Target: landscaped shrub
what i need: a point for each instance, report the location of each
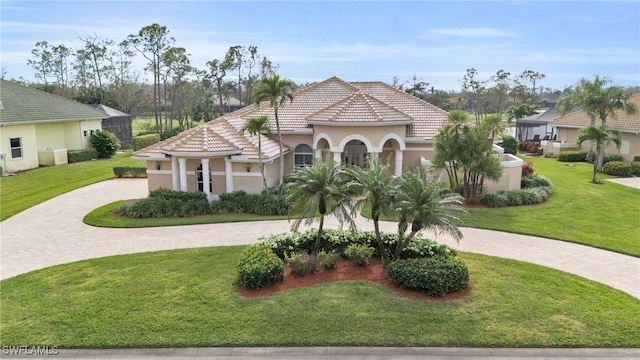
(105, 143)
(612, 157)
(434, 276)
(635, 166)
(509, 144)
(299, 263)
(327, 259)
(259, 267)
(130, 171)
(423, 248)
(618, 168)
(534, 181)
(142, 141)
(269, 203)
(572, 156)
(167, 203)
(74, 156)
(167, 194)
(359, 253)
(636, 158)
(528, 196)
(528, 147)
(527, 169)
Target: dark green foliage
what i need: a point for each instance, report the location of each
(359, 253)
(167, 203)
(129, 171)
(177, 195)
(105, 143)
(142, 141)
(509, 144)
(527, 196)
(337, 241)
(635, 166)
(327, 259)
(239, 202)
(636, 158)
(74, 156)
(436, 276)
(612, 157)
(259, 267)
(299, 263)
(618, 168)
(534, 181)
(572, 156)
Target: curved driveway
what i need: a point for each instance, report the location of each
(53, 233)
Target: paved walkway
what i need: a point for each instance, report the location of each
(53, 233)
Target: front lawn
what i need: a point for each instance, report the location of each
(30, 188)
(184, 298)
(604, 216)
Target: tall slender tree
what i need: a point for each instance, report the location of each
(255, 127)
(600, 136)
(276, 91)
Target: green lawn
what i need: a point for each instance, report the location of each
(103, 217)
(604, 216)
(30, 188)
(188, 298)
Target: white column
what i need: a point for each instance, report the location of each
(183, 174)
(175, 173)
(228, 174)
(318, 154)
(337, 157)
(398, 162)
(206, 178)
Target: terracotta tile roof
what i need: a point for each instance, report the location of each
(332, 100)
(359, 107)
(621, 121)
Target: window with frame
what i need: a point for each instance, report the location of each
(303, 156)
(200, 180)
(16, 147)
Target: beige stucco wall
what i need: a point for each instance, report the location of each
(29, 159)
(374, 137)
(414, 152)
(292, 141)
(630, 142)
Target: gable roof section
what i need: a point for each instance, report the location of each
(621, 122)
(111, 112)
(360, 108)
(542, 118)
(22, 105)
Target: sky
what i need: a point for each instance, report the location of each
(357, 40)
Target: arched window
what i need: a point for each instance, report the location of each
(303, 156)
(200, 180)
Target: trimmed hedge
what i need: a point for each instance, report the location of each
(259, 267)
(618, 168)
(534, 181)
(528, 196)
(130, 171)
(142, 141)
(635, 166)
(239, 202)
(612, 157)
(636, 158)
(177, 195)
(435, 276)
(74, 156)
(509, 144)
(105, 143)
(572, 156)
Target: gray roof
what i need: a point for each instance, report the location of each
(23, 104)
(542, 118)
(109, 110)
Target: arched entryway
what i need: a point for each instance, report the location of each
(355, 153)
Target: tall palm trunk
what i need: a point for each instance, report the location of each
(375, 215)
(311, 267)
(264, 178)
(281, 179)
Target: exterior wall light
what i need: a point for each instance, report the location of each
(247, 166)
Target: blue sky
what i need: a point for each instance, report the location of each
(358, 40)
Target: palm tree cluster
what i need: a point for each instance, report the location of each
(419, 201)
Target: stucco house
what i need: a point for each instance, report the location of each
(629, 126)
(37, 128)
(335, 119)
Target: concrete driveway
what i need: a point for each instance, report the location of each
(53, 233)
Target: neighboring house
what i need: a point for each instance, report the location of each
(118, 123)
(37, 128)
(629, 126)
(331, 119)
(537, 127)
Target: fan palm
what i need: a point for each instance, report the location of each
(276, 91)
(255, 127)
(600, 136)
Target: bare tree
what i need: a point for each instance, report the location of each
(43, 62)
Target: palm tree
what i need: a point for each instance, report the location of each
(597, 101)
(276, 91)
(319, 189)
(425, 204)
(255, 127)
(492, 125)
(600, 136)
(375, 187)
(447, 142)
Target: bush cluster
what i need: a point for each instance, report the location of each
(327, 259)
(528, 196)
(130, 171)
(359, 253)
(142, 141)
(238, 202)
(636, 158)
(612, 157)
(534, 181)
(528, 146)
(337, 241)
(299, 263)
(620, 168)
(527, 169)
(572, 156)
(105, 143)
(259, 267)
(434, 276)
(74, 156)
(509, 144)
